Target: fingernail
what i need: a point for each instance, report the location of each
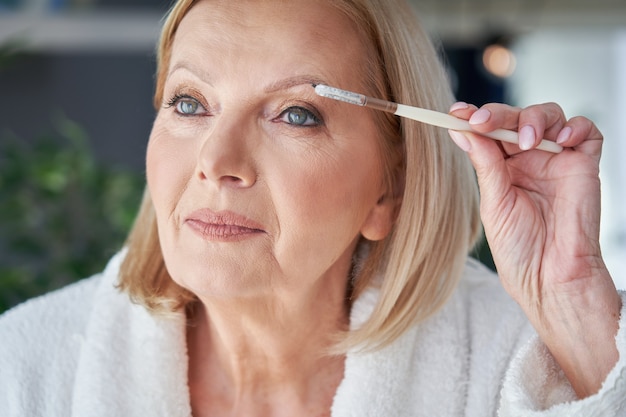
(460, 140)
(564, 135)
(480, 116)
(526, 137)
(459, 105)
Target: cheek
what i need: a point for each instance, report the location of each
(168, 169)
(328, 198)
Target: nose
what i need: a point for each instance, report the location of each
(226, 157)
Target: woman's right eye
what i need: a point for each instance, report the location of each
(186, 106)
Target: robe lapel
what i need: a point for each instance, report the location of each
(131, 363)
(424, 373)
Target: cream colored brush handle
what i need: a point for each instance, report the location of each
(450, 122)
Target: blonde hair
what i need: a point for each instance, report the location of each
(417, 266)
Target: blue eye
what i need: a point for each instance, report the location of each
(186, 105)
(299, 116)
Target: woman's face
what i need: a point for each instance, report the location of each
(259, 185)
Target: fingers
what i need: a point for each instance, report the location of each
(533, 123)
(488, 159)
(578, 130)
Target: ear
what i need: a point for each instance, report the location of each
(381, 218)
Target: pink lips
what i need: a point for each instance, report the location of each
(222, 226)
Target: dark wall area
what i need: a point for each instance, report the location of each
(470, 80)
(109, 95)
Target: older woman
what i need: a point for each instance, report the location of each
(298, 256)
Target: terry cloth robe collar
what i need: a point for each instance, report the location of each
(134, 363)
(87, 351)
(422, 374)
(131, 362)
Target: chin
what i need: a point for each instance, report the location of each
(211, 279)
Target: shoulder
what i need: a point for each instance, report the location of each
(495, 321)
(44, 316)
(40, 349)
(58, 313)
(483, 296)
(496, 327)
(452, 363)
(477, 278)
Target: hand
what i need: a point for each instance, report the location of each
(541, 214)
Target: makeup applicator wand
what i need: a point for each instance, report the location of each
(430, 117)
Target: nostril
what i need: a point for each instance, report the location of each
(231, 178)
(239, 181)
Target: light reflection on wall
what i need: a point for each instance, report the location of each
(499, 60)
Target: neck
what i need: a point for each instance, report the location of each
(244, 354)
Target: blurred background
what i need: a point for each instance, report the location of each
(76, 80)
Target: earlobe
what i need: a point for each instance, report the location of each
(380, 219)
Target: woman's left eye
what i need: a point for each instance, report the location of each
(299, 116)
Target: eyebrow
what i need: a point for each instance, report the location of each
(295, 81)
(191, 67)
(283, 84)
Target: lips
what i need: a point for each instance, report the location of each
(223, 225)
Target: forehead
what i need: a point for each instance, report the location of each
(292, 34)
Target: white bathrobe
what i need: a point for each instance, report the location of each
(87, 351)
